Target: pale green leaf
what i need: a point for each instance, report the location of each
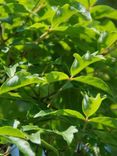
(90, 104)
(22, 145)
(35, 138)
(68, 134)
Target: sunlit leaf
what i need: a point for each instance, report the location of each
(10, 131)
(81, 63)
(63, 14)
(90, 104)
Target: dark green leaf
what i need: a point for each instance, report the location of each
(94, 81)
(107, 121)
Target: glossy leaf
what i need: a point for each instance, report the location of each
(95, 82)
(19, 80)
(90, 104)
(81, 63)
(63, 112)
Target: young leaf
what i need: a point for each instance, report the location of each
(81, 63)
(107, 121)
(22, 145)
(63, 112)
(94, 81)
(90, 105)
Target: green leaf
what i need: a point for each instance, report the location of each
(68, 135)
(55, 76)
(11, 71)
(35, 138)
(106, 40)
(37, 26)
(61, 112)
(103, 11)
(19, 80)
(10, 131)
(22, 145)
(95, 82)
(83, 11)
(107, 121)
(63, 14)
(81, 63)
(90, 105)
(30, 127)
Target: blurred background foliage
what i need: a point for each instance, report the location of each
(41, 36)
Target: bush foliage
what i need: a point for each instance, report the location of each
(58, 76)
